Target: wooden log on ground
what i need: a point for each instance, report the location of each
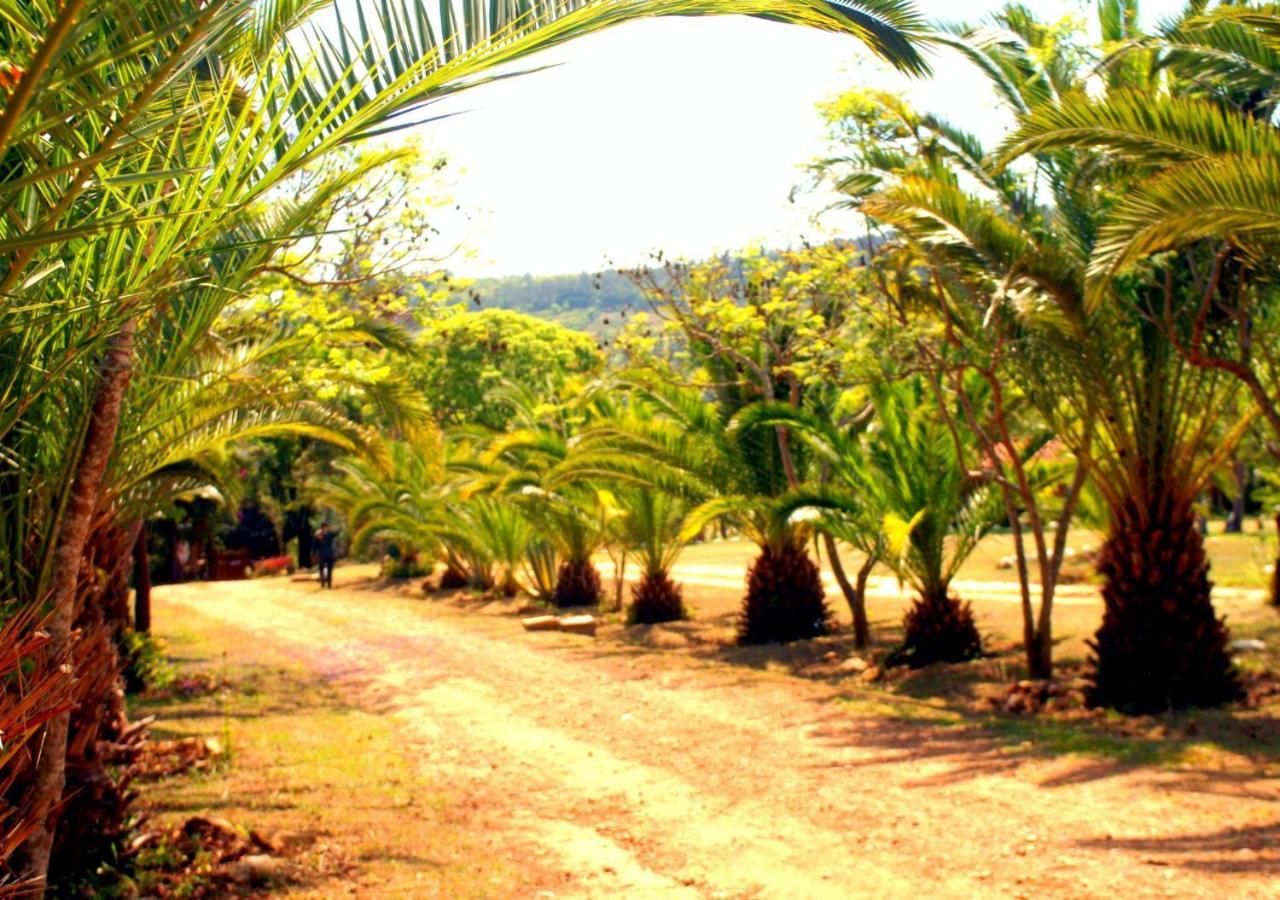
(579, 625)
(541, 623)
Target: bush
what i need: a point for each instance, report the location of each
(145, 665)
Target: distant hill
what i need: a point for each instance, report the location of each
(581, 300)
(593, 302)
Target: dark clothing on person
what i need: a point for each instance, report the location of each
(326, 552)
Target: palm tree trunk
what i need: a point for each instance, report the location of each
(937, 628)
(1160, 645)
(577, 584)
(72, 535)
(784, 600)
(655, 598)
(141, 583)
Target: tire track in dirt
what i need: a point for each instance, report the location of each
(645, 776)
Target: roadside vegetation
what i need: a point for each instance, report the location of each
(226, 320)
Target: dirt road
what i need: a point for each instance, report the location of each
(658, 774)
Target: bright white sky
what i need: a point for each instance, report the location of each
(680, 135)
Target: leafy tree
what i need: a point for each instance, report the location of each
(760, 328)
(463, 356)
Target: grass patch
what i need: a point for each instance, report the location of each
(302, 762)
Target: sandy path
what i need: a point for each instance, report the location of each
(657, 775)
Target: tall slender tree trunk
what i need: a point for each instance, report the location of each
(141, 582)
(1275, 570)
(72, 535)
(1240, 474)
(852, 597)
(861, 625)
(619, 580)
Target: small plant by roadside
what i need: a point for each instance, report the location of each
(204, 857)
(146, 668)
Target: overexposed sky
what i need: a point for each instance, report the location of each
(680, 135)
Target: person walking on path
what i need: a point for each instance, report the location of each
(326, 552)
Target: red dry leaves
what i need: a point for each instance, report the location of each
(10, 74)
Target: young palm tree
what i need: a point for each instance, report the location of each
(650, 524)
(397, 495)
(903, 490)
(677, 441)
(531, 466)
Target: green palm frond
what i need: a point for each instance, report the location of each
(1228, 197)
(1153, 130)
(737, 510)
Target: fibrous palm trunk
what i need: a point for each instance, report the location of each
(577, 584)
(937, 628)
(95, 816)
(655, 599)
(452, 578)
(72, 537)
(1160, 645)
(784, 601)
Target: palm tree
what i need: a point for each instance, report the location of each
(650, 524)
(677, 441)
(844, 503)
(136, 132)
(904, 493)
(567, 511)
(1087, 361)
(1201, 146)
(397, 495)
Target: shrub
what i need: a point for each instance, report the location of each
(145, 665)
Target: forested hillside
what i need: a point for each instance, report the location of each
(588, 301)
(579, 301)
